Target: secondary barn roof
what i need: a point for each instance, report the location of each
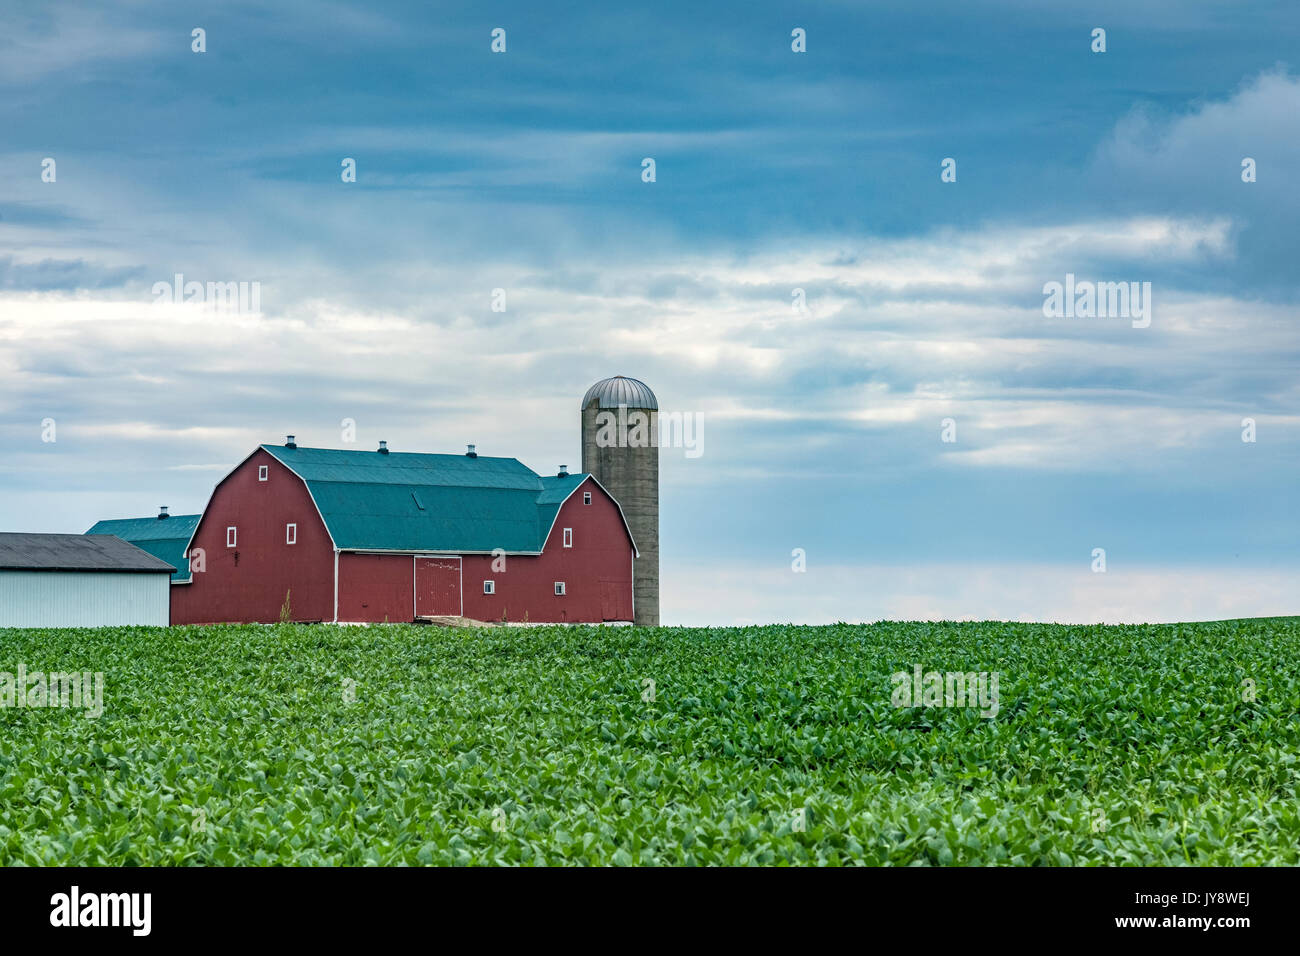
(404, 501)
(165, 538)
(75, 552)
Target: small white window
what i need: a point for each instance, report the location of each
(568, 537)
(230, 537)
(559, 587)
(291, 534)
(489, 587)
(261, 472)
(586, 497)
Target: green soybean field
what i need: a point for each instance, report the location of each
(413, 745)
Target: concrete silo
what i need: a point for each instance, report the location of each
(620, 447)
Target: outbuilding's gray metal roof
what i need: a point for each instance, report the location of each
(621, 390)
(74, 552)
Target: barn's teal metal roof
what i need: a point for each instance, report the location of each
(554, 491)
(164, 538)
(405, 468)
(414, 502)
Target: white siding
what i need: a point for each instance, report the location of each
(83, 599)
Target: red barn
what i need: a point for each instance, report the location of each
(357, 536)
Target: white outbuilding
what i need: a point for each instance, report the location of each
(81, 580)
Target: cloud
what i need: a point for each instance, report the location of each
(1204, 145)
(63, 274)
(70, 40)
(899, 335)
(1192, 159)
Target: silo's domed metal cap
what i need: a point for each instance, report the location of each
(621, 390)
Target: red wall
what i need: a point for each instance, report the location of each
(601, 552)
(252, 588)
(376, 588)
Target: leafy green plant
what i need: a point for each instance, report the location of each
(758, 745)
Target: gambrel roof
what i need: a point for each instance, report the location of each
(404, 502)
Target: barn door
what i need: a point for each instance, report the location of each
(437, 587)
(610, 602)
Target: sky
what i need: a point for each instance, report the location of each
(774, 170)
